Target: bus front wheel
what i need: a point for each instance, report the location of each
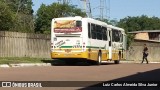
(116, 61)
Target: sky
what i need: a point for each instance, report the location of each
(119, 9)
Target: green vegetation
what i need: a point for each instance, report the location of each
(138, 23)
(6, 16)
(46, 13)
(17, 15)
(16, 60)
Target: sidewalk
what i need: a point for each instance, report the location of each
(25, 65)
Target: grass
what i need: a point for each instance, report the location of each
(16, 60)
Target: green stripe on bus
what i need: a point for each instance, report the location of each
(95, 47)
(81, 47)
(66, 46)
(121, 49)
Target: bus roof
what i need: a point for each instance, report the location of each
(114, 27)
(68, 18)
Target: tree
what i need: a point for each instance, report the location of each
(55, 10)
(113, 22)
(23, 15)
(138, 23)
(16, 15)
(20, 6)
(6, 16)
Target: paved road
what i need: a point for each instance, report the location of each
(121, 72)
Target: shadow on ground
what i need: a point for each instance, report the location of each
(63, 63)
(153, 75)
(58, 62)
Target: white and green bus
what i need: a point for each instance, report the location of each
(75, 38)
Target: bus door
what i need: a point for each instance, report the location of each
(110, 45)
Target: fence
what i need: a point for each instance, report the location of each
(136, 49)
(15, 44)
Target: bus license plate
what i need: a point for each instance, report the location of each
(68, 50)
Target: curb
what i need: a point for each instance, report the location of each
(127, 61)
(136, 62)
(25, 65)
(5, 66)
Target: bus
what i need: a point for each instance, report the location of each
(74, 38)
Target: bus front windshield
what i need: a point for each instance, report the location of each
(67, 26)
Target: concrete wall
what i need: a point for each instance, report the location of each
(15, 44)
(136, 49)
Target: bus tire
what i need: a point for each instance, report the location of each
(119, 58)
(99, 59)
(116, 61)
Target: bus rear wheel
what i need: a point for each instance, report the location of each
(119, 58)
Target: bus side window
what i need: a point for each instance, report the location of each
(99, 32)
(104, 33)
(93, 31)
(89, 30)
(116, 36)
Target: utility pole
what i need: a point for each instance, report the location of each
(90, 10)
(108, 9)
(63, 1)
(66, 1)
(101, 9)
(59, 1)
(104, 9)
(87, 8)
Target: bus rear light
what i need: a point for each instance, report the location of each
(89, 50)
(83, 44)
(51, 45)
